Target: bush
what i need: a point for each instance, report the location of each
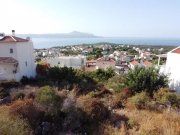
(17, 96)
(164, 96)
(115, 83)
(47, 97)
(12, 125)
(3, 93)
(139, 101)
(25, 80)
(27, 110)
(145, 79)
(101, 74)
(60, 74)
(9, 84)
(93, 107)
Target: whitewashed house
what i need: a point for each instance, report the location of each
(173, 68)
(16, 58)
(76, 62)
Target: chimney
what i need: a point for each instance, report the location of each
(13, 32)
(28, 38)
(2, 34)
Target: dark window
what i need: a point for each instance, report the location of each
(26, 63)
(11, 50)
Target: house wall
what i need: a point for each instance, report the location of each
(6, 72)
(25, 57)
(5, 50)
(173, 70)
(22, 52)
(74, 62)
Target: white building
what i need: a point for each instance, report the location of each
(68, 61)
(173, 68)
(16, 58)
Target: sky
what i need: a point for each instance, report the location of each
(111, 18)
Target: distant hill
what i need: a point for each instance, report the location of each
(73, 34)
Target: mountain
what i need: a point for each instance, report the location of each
(73, 34)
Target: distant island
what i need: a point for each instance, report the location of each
(73, 34)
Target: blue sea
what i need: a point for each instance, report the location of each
(52, 42)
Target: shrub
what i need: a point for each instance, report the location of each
(139, 101)
(145, 79)
(115, 83)
(93, 107)
(64, 73)
(17, 96)
(164, 96)
(3, 93)
(25, 80)
(9, 84)
(46, 96)
(42, 69)
(27, 110)
(12, 125)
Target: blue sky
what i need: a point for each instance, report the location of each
(120, 18)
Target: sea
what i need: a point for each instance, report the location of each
(40, 43)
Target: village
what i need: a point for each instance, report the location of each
(119, 57)
(18, 58)
(66, 90)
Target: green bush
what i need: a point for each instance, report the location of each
(145, 79)
(46, 96)
(164, 96)
(101, 74)
(139, 101)
(115, 83)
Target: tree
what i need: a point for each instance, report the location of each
(145, 79)
(103, 75)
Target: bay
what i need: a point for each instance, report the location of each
(40, 43)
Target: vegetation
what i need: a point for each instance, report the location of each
(145, 79)
(69, 101)
(10, 125)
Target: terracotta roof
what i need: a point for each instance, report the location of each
(7, 39)
(105, 63)
(8, 60)
(134, 62)
(176, 50)
(147, 63)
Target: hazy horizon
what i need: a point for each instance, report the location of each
(115, 18)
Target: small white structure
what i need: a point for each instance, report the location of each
(68, 61)
(173, 68)
(16, 58)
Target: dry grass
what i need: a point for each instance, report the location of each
(152, 123)
(12, 125)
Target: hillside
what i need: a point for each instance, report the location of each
(73, 34)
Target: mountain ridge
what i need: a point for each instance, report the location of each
(73, 34)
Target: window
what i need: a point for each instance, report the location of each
(11, 50)
(26, 63)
